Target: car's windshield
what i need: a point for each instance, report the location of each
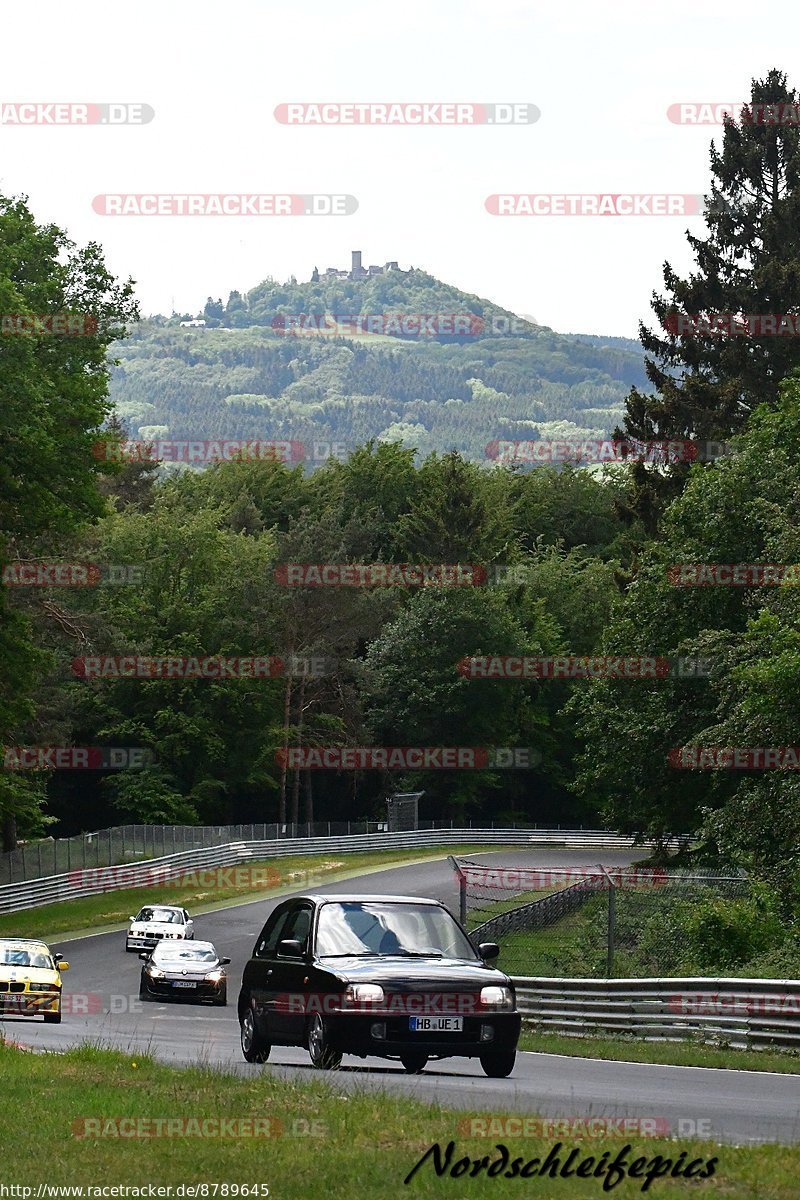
(183, 953)
(14, 956)
(385, 929)
(166, 916)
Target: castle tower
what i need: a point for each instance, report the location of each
(356, 267)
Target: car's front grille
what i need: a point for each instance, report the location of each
(12, 987)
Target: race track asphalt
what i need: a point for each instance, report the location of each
(101, 999)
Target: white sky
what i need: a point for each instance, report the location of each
(602, 75)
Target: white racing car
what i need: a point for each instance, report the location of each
(156, 922)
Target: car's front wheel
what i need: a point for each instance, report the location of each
(497, 1064)
(52, 1018)
(221, 998)
(322, 1055)
(414, 1061)
(255, 1046)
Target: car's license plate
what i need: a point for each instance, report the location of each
(183, 983)
(436, 1024)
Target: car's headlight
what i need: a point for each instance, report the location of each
(44, 987)
(363, 993)
(497, 997)
(215, 976)
(154, 972)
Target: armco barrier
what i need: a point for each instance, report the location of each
(130, 843)
(88, 882)
(747, 1013)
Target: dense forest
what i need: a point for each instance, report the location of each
(191, 564)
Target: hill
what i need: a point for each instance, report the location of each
(291, 361)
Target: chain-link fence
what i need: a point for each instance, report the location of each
(595, 922)
(132, 843)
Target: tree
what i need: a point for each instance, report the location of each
(417, 697)
(706, 385)
(455, 516)
(742, 509)
(54, 402)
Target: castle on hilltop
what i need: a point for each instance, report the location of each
(356, 271)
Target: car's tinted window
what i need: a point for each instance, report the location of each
(268, 939)
(298, 926)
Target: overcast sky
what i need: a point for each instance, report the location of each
(603, 77)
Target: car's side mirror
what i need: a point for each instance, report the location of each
(489, 950)
(144, 957)
(62, 966)
(131, 918)
(224, 961)
(290, 948)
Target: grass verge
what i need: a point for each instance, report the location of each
(110, 910)
(680, 1054)
(322, 1139)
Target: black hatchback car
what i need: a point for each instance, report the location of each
(391, 976)
(184, 971)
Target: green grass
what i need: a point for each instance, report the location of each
(554, 950)
(356, 1142)
(682, 1054)
(110, 910)
(488, 909)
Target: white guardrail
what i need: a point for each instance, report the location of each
(88, 881)
(746, 1013)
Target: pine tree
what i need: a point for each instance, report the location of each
(706, 384)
